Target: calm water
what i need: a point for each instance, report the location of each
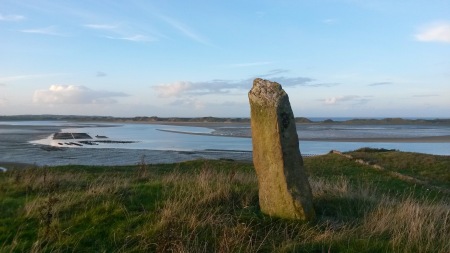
(149, 136)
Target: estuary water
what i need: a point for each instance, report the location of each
(314, 138)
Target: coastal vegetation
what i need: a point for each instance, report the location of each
(212, 206)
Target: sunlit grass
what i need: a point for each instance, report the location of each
(212, 206)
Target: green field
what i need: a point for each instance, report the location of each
(212, 206)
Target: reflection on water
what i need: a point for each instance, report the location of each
(150, 136)
(185, 138)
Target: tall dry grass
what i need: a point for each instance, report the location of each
(412, 225)
(406, 223)
(215, 210)
(206, 212)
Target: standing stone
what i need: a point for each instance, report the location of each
(284, 189)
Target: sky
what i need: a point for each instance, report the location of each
(197, 58)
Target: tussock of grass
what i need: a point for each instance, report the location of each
(212, 206)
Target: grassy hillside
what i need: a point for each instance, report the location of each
(212, 206)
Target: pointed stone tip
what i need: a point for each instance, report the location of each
(266, 92)
(263, 83)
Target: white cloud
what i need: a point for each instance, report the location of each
(172, 89)
(133, 38)
(331, 101)
(349, 98)
(436, 32)
(72, 94)
(49, 30)
(101, 26)
(11, 17)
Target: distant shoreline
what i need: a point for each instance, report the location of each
(212, 120)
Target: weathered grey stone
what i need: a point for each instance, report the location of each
(284, 190)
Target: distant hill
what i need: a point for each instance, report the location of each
(155, 119)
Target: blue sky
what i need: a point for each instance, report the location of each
(335, 58)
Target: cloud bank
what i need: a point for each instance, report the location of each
(218, 86)
(436, 32)
(72, 94)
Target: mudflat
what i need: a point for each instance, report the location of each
(16, 151)
(235, 130)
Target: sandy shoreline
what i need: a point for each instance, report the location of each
(426, 139)
(16, 151)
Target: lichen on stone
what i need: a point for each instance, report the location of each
(284, 189)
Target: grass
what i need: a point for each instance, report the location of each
(212, 206)
(434, 170)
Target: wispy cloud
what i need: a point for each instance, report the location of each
(249, 64)
(49, 30)
(329, 21)
(133, 38)
(323, 84)
(352, 99)
(274, 75)
(107, 27)
(2, 84)
(117, 32)
(185, 30)
(435, 32)
(274, 72)
(73, 94)
(380, 83)
(13, 18)
(6, 79)
(293, 81)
